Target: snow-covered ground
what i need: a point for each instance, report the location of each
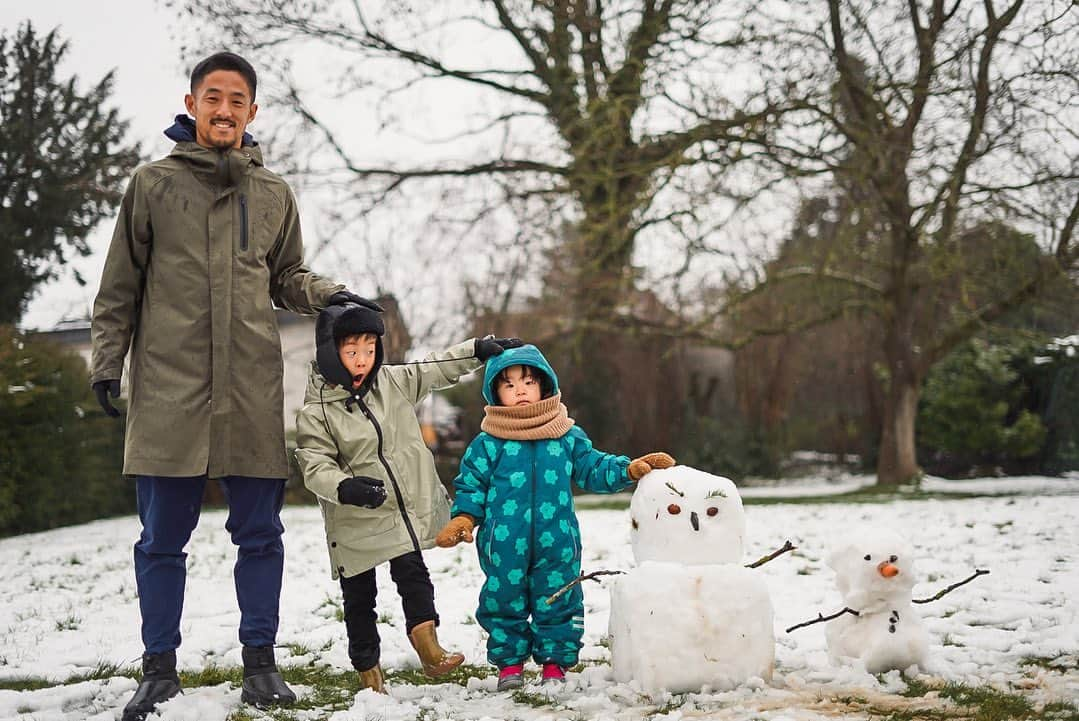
(67, 605)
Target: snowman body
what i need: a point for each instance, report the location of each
(875, 576)
(689, 616)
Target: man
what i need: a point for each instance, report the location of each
(205, 240)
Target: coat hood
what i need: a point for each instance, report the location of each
(526, 355)
(334, 322)
(182, 130)
(225, 168)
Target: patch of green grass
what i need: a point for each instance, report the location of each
(459, 675)
(1061, 663)
(103, 671)
(25, 683)
(980, 703)
(68, 623)
(676, 701)
(536, 700)
(988, 703)
(870, 494)
(298, 649)
(212, 675)
(1060, 711)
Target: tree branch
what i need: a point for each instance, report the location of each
(583, 577)
(773, 555)
(821, 618)
(940, 594)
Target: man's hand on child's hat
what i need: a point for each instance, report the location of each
(490, 346)
(346, 296)
(457, 530)
(362, 491)
(638, 467)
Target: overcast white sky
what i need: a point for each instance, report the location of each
(132, 36)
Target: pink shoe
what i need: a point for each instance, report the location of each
(553, 673)
(511, 677)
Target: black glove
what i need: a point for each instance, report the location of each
(111, 388)
(490, 346)
(346, 296)
(362, 491)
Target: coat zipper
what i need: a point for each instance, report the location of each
(243, 222)
(393, 481)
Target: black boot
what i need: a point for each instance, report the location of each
(263, 685)
(159, 683)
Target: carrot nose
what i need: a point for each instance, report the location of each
(887, 570)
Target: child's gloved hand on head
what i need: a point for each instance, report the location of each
(638, 467)
(457, 530)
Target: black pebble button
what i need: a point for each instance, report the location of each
(333, 544)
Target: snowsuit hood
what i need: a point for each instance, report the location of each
(526, 355)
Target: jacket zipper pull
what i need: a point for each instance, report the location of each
(243, 222)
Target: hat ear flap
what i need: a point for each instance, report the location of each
(326, 357)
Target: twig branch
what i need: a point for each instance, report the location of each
(949, 589)
(821, 618)
(788, 546)
(583, 577)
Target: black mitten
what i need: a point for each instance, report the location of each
(490, 346)
(362, 491)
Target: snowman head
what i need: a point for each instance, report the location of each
(682, 515)
(873, 567)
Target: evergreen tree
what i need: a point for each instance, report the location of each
(63, 162)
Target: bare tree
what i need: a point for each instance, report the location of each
(937, 121)
(614, 117)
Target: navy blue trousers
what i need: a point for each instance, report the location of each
(169, 510)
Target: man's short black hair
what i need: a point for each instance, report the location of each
(225, 61)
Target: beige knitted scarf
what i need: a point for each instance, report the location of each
(547, 418)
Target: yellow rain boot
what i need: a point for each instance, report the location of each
(436, 660)
(373, 679)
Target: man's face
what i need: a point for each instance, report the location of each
(357, 353)
(222, 108)
(517, 389)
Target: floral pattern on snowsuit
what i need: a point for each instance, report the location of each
(529, 543)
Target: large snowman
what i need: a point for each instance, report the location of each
(874, 571)
(689, 615)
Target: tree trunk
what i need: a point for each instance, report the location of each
(897, 461)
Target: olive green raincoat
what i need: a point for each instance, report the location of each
(203, 243)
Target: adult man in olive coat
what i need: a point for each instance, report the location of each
(207, 240)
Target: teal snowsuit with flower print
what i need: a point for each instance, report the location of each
(529, 543)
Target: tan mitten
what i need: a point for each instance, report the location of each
(638, 467)
(457, 530)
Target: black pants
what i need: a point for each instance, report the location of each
(409, 572)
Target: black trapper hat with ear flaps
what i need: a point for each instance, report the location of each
(340, 321)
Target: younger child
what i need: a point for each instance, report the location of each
(361, 452)
(514, 484)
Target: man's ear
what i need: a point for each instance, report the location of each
(189, 103)
(251, 116)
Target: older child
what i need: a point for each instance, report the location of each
(361, 452)
(514, 484)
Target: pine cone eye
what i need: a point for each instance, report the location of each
(674, 509)
(712, 510)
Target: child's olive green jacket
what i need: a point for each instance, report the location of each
(380, 437)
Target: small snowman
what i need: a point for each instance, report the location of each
(689, 615)
(875, 575)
